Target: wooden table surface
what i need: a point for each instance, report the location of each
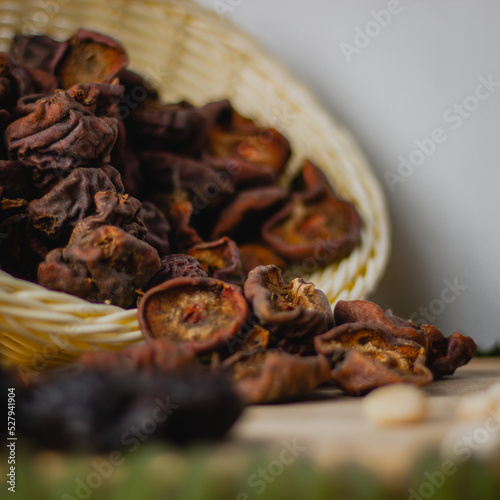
(331, 429)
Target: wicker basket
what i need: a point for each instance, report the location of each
(187, 52)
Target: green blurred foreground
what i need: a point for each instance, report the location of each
(223, 472)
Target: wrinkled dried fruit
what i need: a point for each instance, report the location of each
(114, 209)
(220, 259)
(15, 181)
(58, 212)
(164, 172)
(270, 376)
(177, 128)
(244, 139)
(325, 229)
(364, 356)
(446, 354)
(443, 355)
(287, 310)
(157, 226)
(179, 210)
(93, 411)
(177, 266)
(354, 311)
(311, 183)
(202, 311)
(254, 255)
(243, 174)
(105, 265)
(242, 219)
(257, 338)
(35, 52)
(16, 256)
(100, 99)
(156, 356)
(89, 57)
(61, 133)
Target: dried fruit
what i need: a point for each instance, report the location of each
(177, 266)
(446, 354)
(201, 311)
(61, 133)
(243, 139)
(114, 209)
(363, 311)
(242, 219)
(291, 310)
(164, 172)
(72, 199)
(179, 211)
(270, 376)
(152, 358)
(364, 356)
(97, 411)
(157, 226)
(89, 57)
(326, 230)
(220, 259)
(443, 355)
(35, 52)
(104, 265)
(255, 254)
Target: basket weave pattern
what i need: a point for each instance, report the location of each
(188, 53)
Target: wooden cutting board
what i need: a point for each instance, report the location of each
(331, 429)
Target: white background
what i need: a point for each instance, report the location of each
(394, 91)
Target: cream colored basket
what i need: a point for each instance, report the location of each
(187, 53)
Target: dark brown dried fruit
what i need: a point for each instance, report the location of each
(244, 139)
(34, 52)
(114, 209)
(179, 210)
(255, 254)
(105, 265)
(242, 219)
(101, 99)
(310, 182)
(243, 174)
(153, 357)
(167, 127)
(58, 212)
(89, 57)
(270, 376)
(177, 266)
(16, 256)
(257, 338)
(381, 357)
(165, 172)
(93, 411)
(220, 259)
(15, 180)
(325, 229)
(137, 89)
(446, 354)
(201, 311)
(363, 311)
(61, 133)
(157, 226)
(291, 310)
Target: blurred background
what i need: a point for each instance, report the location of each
(418, 84)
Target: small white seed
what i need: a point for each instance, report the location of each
(395, 404)
(473, 406)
